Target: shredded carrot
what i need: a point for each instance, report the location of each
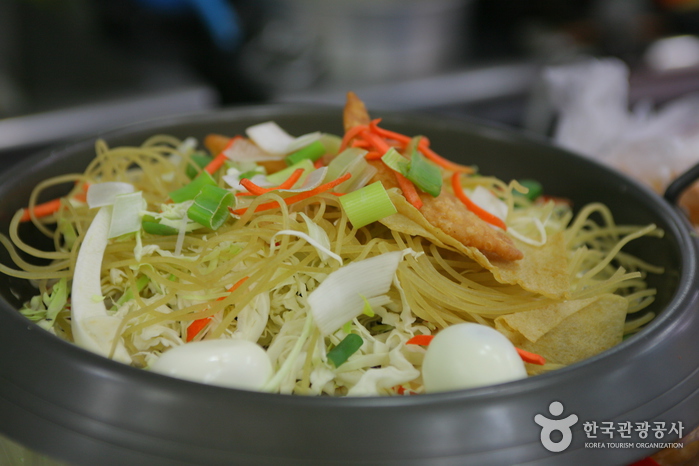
(196, 326)
(361, 143)
(252, 187)
(531, 358)
(42, 210)
(298, 197)
(256, 190)
(289, 183)
(401, 138)
(376, 141)
(220, 159)
(351, 134)
(473, 207)
(422, 340)
(318, 163)
(409, 190)
(51, 207)
(373, 155)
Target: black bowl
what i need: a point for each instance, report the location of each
(71, 404)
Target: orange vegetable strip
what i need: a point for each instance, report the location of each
(351, 134)
(473, 207)
(289, 183)
(252, 187)
(196, 326)
(409, 190)
(298, 197)
(220, 159)
(51, 207)
(256, 190)
(376, 141)
(385, 133)
(42, 210)
(373, 155)
(318, 163)
(422, 340)
(423, 145)
(531, 358)
(361, 143)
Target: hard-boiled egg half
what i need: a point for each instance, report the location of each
(470, 355)
(226, 362)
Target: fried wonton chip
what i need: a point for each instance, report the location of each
(445, 211)
(542, 270)
(569, 331)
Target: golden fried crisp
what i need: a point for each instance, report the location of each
(542, 270)
(445, 211)
(568, 331)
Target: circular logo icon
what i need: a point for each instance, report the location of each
(548, 426)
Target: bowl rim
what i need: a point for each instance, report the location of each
(641, 344)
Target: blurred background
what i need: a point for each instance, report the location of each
(74, 67)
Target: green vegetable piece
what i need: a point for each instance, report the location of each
(248, 174)
(210, 206)
(155, 228)
(396, 161)
(201, 161)
(279, 177)
(535, 189)
(313, 152)
(331, 142)
(367, 205)
(44, 309)
(426, 175)
(190, 191)
(346, 348)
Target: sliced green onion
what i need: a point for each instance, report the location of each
(331, 142)
(190, 191)
(346, 348)
(303, 141)
(313, 152)
(367, 205)
(279, 177)
(338, 166)
(535, 189)
(249, 174)
(210, 206)
(126, 214)
(426, 175)
(155, 228)
(200, 160)
(396, 162)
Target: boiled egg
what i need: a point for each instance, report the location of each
(470, 355)
(227, 362)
